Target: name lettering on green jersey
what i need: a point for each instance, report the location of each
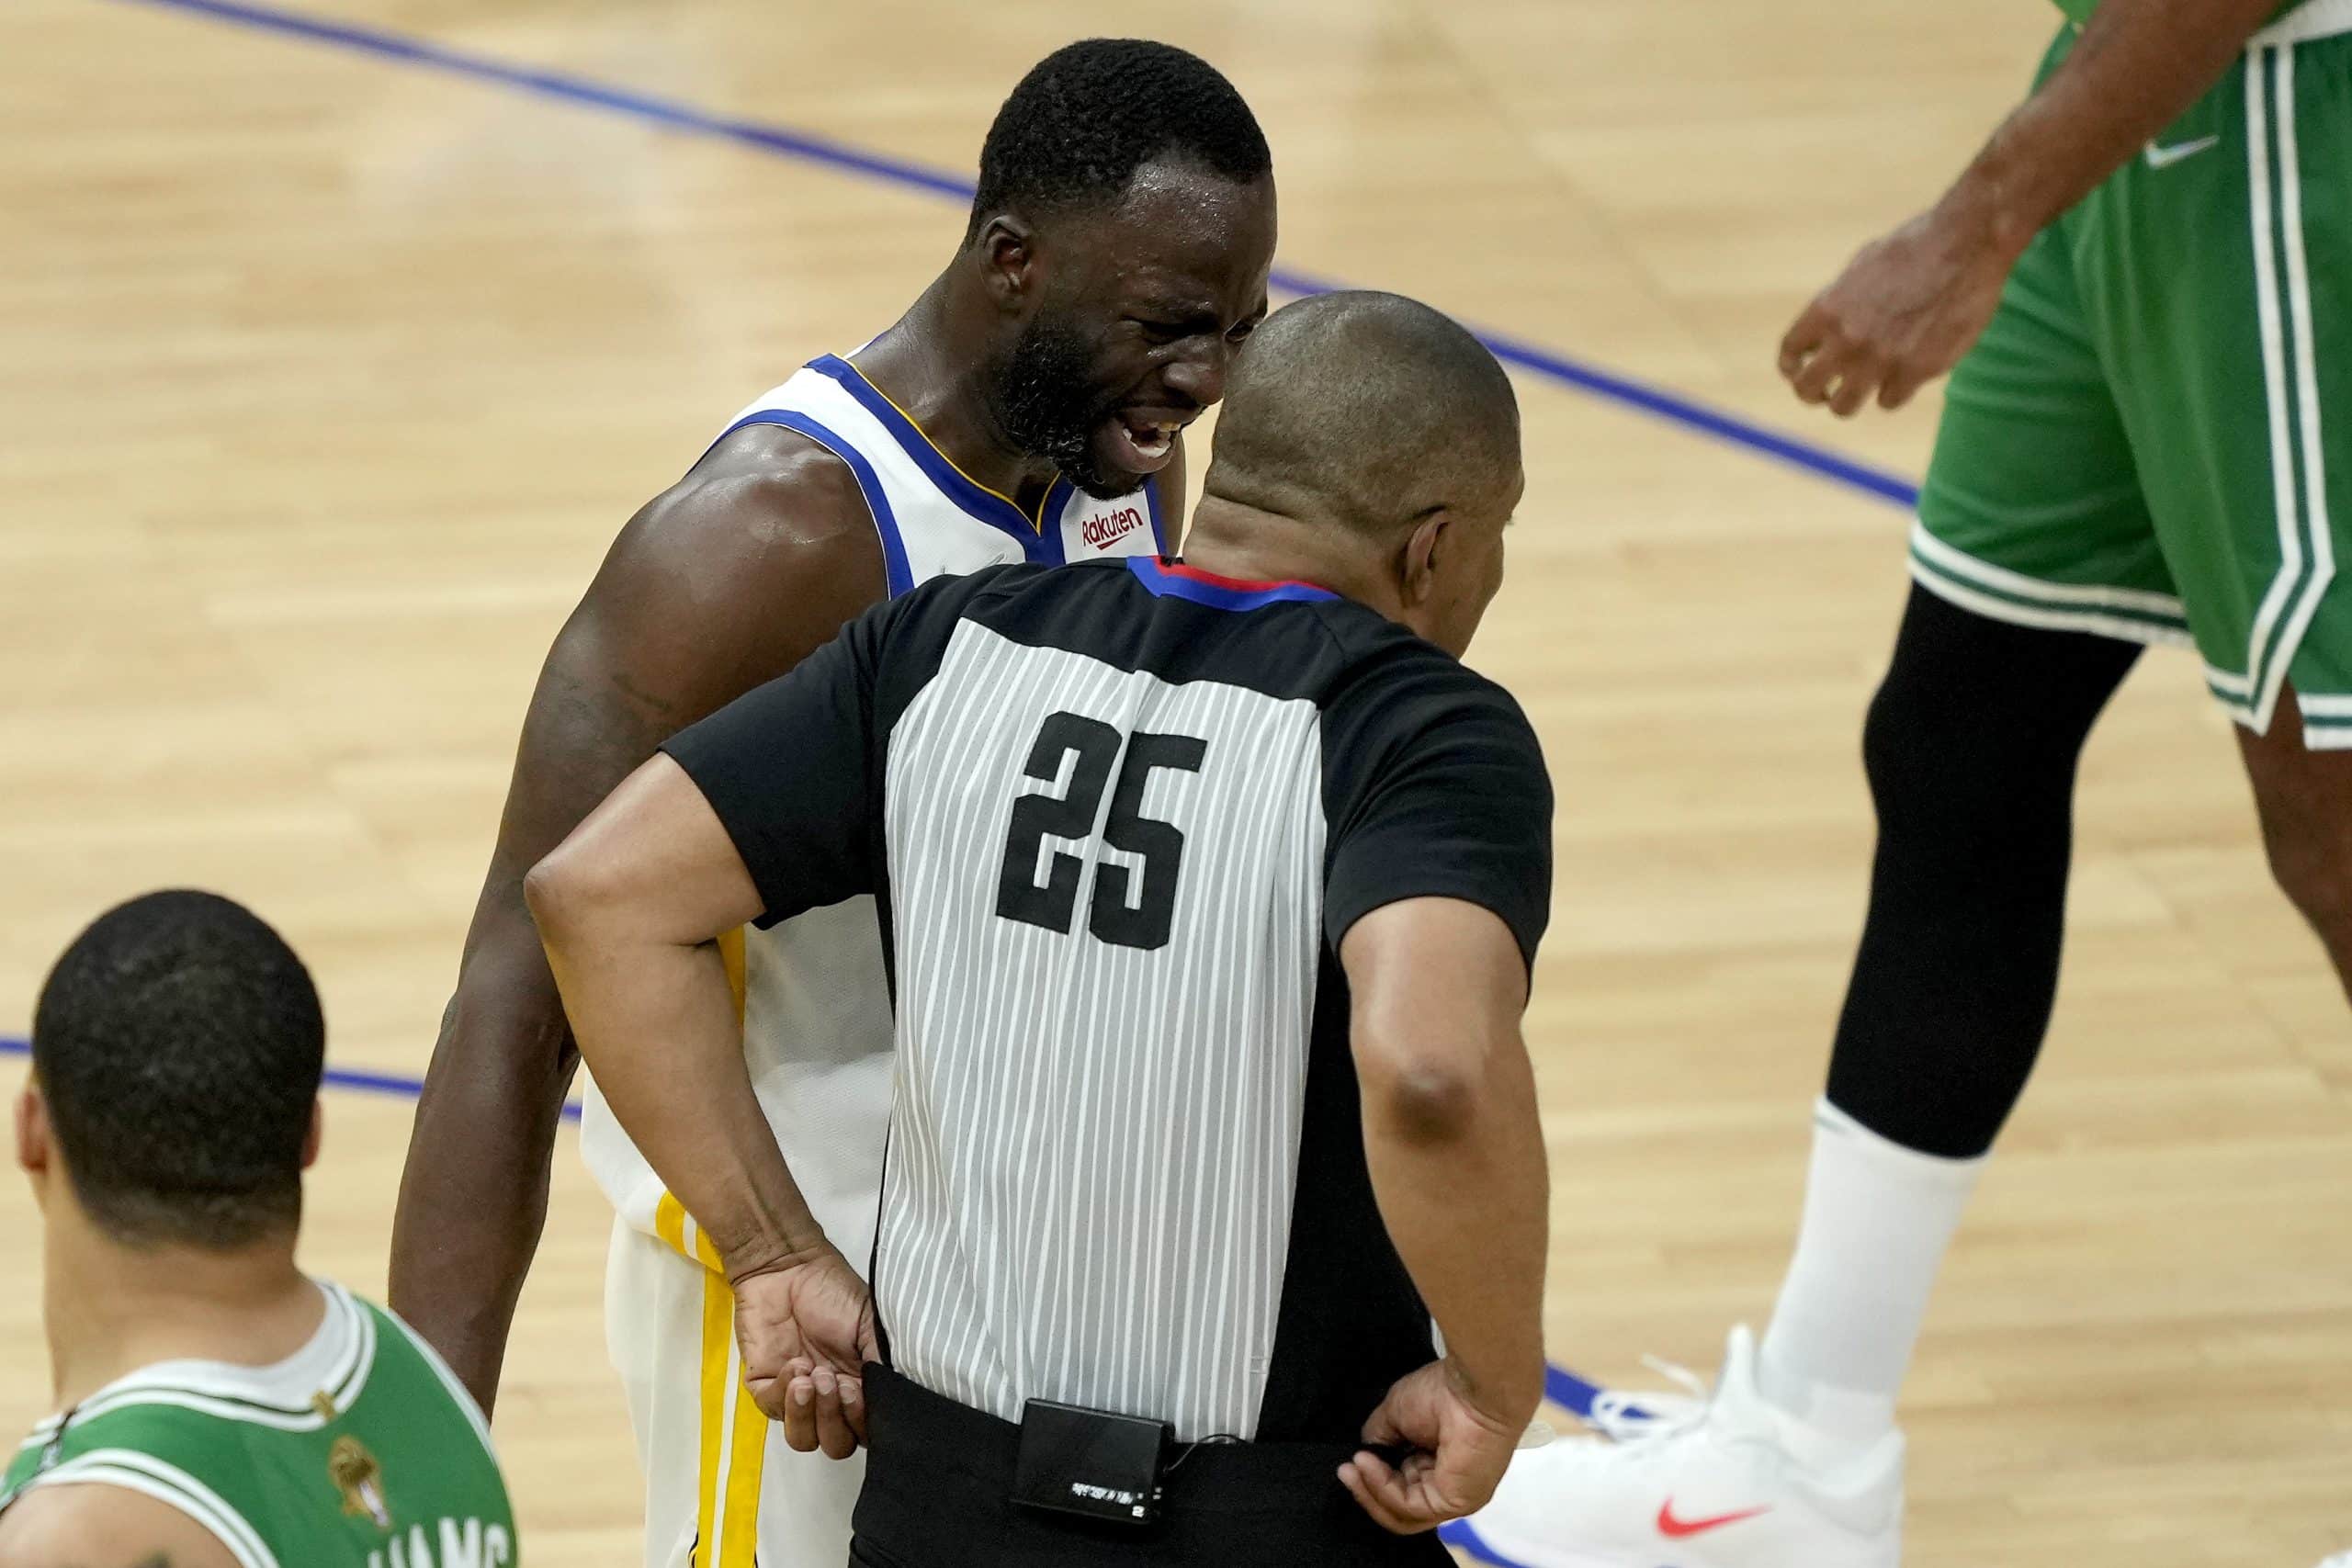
(465, 1544)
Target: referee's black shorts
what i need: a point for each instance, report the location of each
(939, 1475)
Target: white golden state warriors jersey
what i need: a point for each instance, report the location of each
(816, 1025)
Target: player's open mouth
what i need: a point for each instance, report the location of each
(1142, 439)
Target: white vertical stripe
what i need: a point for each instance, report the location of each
(2298, 296)
(2274, 368)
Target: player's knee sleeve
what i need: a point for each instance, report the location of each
(1970, 747)
(1978, 725)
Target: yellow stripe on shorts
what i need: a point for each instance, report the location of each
(717, 1348)
(727, 1508)
(727, 1503)
(670, 1224)
(739, 1530)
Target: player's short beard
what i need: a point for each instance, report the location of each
(1046, 403)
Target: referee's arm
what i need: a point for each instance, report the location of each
(1437, 892)
(696, 842)
(1456, 1152)
(631, 908)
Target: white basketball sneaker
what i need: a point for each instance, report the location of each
(1726, 1482)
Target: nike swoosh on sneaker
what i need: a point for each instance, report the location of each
(1674, 1528)
(2165, 157)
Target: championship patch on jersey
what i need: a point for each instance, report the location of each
(360, 1479)
(1120, 528)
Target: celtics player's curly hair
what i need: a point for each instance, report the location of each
(1091, 114)
(177, 1047)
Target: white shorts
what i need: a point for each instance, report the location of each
(721, 1489)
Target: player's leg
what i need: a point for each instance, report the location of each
(2242, 277)
(2039, 577)
(2303, 793)
(2288, 482)
(2046, 578)
(1971, 749)
(2229, 322)
(1795, 1461)
(722, 1490)
(653, 1331)
(2304, 796)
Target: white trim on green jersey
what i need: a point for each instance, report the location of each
(168, 1484)
(337, 1362)
(2311, 19)
(457, 1392)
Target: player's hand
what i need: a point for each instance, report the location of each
(1902, 313)
(1460, 1451)
(806, 1331)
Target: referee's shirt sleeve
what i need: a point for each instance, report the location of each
(790, 768)
(1436, 787)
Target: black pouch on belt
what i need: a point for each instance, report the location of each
(1090, 1463)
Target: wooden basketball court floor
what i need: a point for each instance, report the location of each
(331, 365)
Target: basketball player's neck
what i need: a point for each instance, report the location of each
(112, 1309)
(933, 363)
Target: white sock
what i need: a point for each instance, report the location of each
(1877, 1219)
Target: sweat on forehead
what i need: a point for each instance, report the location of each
(1369, 406)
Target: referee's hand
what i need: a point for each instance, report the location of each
(1460, 1452)
(806, 1331)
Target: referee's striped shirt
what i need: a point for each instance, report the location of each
(1117, 818)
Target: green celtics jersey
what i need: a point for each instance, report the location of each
(359, 1451)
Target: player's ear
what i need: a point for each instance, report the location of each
(317, 1129)
(32, 1131)
(1008, 248)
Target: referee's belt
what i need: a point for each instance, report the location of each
(940, 1479)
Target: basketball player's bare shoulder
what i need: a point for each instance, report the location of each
(766, 510)
(103, 1526)
(750, 561)
(773, 487)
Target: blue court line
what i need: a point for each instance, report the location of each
(813, 148)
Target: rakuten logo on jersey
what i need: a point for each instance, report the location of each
(1107, 528)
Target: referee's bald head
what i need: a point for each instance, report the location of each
(1366, 410)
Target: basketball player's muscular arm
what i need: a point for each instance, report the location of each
(1910, 304)
(103, 1526)
(721, 583)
